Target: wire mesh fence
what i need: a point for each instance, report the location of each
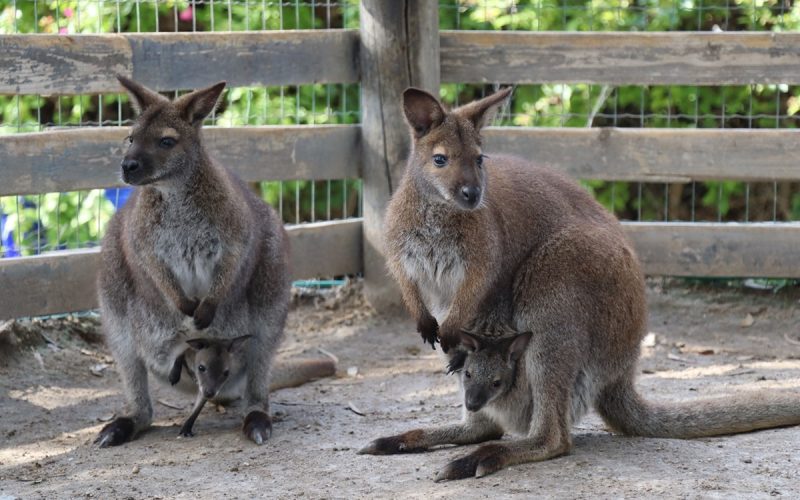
(663, 106)
(32, 224)
(57, 221)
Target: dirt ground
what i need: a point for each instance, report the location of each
(56, 392)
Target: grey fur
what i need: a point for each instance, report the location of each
(193, 249)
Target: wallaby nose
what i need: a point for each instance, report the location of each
(471, 194)
(129, 165)
(208, 393)
(472, 405)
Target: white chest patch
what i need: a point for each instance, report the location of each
(192, 258)
(438, 270)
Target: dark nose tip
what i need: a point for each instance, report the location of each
(129, 165)
(208, 394)
(472, 405)
(470, 194)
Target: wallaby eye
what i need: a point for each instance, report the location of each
(467, 374)
(128, 140)
(440, 160)
(167, 142)
(226, 373)
(201, 368)
(496, 383)
(479, 160)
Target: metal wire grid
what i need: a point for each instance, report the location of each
(57, 221)
(766, 106)
(749, 106)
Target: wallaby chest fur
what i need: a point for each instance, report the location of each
(190, 242)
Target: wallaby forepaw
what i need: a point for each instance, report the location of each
(402, 443)
(115, 433)
(204, 314)
(257, 427)
(188, 306)
(481, 462)
(428, 328)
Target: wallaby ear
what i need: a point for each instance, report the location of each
(483, 111)
(198, 344)
(237, 343)
(141, 97)
(470, 342)
(518, 345)
(423, 111)
(457, 360)
(195, 106)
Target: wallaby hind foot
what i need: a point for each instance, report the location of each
(257, 426)
(118, 431)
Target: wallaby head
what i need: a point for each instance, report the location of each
(447, 159)
(164, 144)
(212, 360)
(489, 367)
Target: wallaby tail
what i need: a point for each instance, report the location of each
(298, 371)
(626, 411)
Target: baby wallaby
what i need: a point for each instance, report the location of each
(193, 243)
(489, 368)
(210, 363)
(493, 239)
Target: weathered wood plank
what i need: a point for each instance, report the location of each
(189, 60)
(655, 155)
(48, 284)
(86, 64)
(58, 64)
(68, 160)
(718, 250)
(399, 49)
(654, 58)
(65, 281)
(326, 248)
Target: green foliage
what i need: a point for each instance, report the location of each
(78, 219)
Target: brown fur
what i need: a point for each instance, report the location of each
(539, 254)
(193, 249)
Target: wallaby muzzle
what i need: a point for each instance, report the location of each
(469, 197)
(136, 170)
(475, 399)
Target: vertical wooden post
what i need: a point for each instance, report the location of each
(399, 49)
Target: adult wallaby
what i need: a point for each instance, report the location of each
(212, 363)
(471, 236)
(192, 241)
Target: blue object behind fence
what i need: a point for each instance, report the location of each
(117, 197)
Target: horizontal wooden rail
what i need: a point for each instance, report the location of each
(86, 64)
(655, 155)
(65, 281)
(66, 160)
(85, 158)
(718, 249)
(655, 58)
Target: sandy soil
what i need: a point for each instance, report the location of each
(707, 343)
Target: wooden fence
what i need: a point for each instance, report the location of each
(399, 45)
